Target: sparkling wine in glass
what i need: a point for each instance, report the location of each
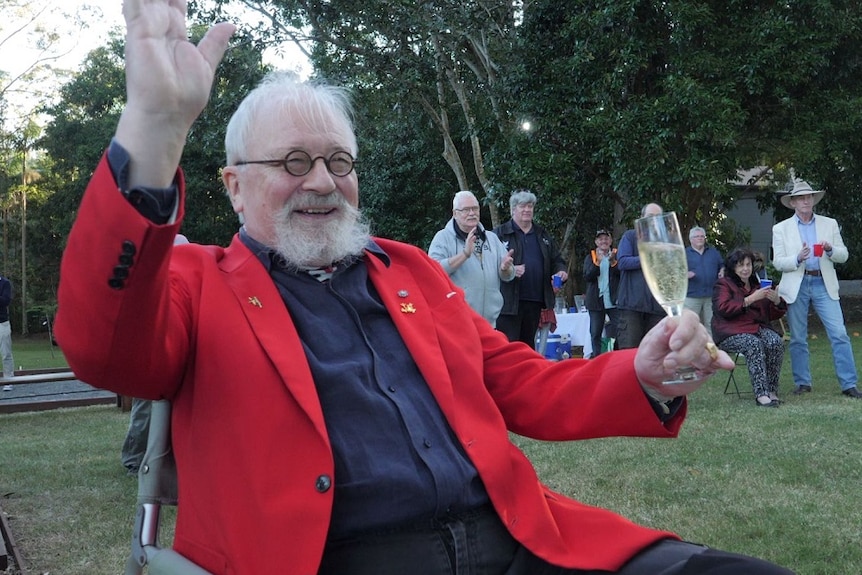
(664, 265)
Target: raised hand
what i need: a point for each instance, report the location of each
(507, 261)
(168, 82)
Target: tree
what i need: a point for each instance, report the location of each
(35, 39)
(436, 63)
(641, 102)
(630, 101)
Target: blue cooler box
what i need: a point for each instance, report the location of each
(558, 347)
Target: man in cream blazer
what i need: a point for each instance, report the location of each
(805, 248)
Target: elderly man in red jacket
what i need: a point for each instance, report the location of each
(338, 408)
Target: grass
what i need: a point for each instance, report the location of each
(36, 352)
(775, 483)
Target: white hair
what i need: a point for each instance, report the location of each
(459, 196)
(313, 104)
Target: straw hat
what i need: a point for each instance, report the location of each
(801, 188)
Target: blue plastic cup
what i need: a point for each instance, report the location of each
(765, 283)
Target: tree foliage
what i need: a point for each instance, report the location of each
(666, 101)
(425, 76)
(630, 101)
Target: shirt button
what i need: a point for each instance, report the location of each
(323, 483)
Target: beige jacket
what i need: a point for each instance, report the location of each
(786, 244)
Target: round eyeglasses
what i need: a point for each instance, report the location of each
(299, 163)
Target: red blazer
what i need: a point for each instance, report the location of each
(205, 326)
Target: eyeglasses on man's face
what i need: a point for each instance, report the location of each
(299, 163)
(469, 210)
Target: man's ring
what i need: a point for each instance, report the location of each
(713, 350)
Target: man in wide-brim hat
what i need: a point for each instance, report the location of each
(805, 246)
(802, 188)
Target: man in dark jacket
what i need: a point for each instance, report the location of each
(638, 310)
(537, 260)
(603, 279)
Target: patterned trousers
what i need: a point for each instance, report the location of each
(764, 352)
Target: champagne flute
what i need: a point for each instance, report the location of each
(664, 265)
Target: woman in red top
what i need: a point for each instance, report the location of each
(741, 323)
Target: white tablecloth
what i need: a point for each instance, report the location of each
(577, 326)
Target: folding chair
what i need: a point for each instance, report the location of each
(731, 378)
(157, 486)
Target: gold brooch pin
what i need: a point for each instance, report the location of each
(254, 301)
(407, 308)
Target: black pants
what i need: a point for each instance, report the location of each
(477, 543)
(632, 326)
(522, 326)
(597, 326)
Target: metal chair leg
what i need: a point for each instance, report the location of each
(731, 378)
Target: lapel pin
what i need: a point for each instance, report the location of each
(254, 301)
(402, 293)
(407, 308)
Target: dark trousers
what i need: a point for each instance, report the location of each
(135, 444)
(477, 543)
(522, 326)
(597, 325)
(632, 326)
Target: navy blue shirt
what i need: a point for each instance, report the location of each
(396, 458)
(5, 298)
(705, 266)
(532, 288)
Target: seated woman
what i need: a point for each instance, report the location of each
(742, 313)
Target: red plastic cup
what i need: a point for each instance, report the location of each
(818, 250)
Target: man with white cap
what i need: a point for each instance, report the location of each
(805, 248)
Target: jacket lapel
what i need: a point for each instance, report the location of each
(414, 320)
(270, 322)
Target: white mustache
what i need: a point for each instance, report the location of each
(309, 201)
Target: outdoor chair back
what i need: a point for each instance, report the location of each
(157, 486)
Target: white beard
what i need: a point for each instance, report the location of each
(306, 244)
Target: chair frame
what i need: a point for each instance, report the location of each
(157, 486)
(731, 378)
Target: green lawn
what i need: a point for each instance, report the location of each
(36, 352)
(776, 483)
